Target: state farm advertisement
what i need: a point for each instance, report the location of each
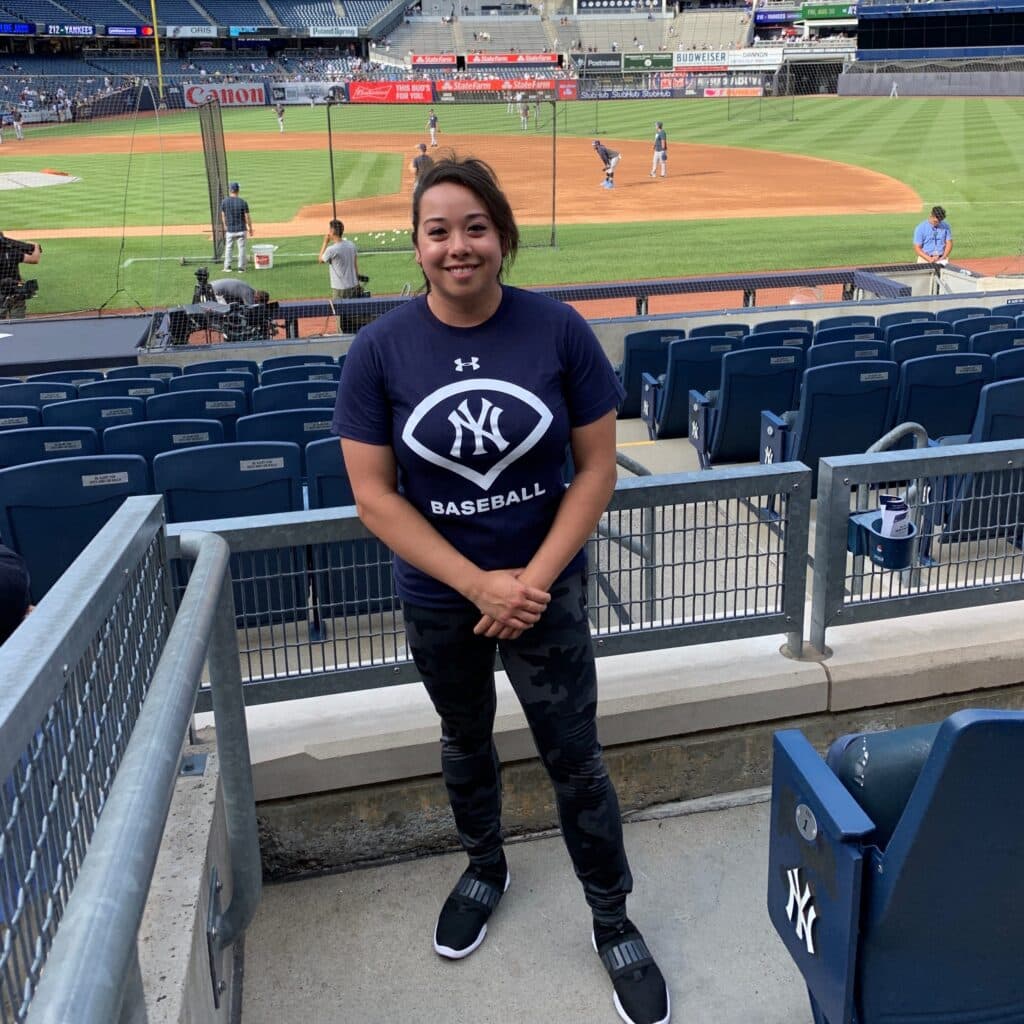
(238, 94)
(390, 92)
(511, 58)
(497, 85)
(434, 59)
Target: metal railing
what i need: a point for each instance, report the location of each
(92, 723)
(966, 504)
(676, 560)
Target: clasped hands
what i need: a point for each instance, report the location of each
(508, 603)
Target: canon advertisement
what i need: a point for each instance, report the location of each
(238, 94)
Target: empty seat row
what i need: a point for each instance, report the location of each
(206, 482)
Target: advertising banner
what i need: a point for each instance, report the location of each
(775, 17)
(238, 94)
(603, 61)
(70, 30)
(511, 58)
(700, 59)
(190, 31)
(305, 93)
(734, 91)
(647, 62)
(624, 94)
(523, 85)
(333, 31)
(566, 88)
(828, 12)
(17, 28)
(769, 57)
(391, 92)
(434, 59)
(130, 31)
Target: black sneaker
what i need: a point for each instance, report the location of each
(462, 923)
(641, 996)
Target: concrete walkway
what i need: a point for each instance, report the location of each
(356, 948)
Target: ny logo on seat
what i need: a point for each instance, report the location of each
(800, 904)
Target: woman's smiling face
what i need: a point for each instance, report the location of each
(460, 252)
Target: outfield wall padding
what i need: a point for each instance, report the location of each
(953, 83)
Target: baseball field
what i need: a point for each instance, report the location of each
(821, 182)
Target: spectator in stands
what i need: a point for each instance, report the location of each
(339, 253)
(419, 165)
(15, 597)
(230, 289)
(490, 554)
(933, 238)
(234, 215)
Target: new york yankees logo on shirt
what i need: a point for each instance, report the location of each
(474, 409)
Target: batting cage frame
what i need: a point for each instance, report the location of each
(215, 159)
(468, 120)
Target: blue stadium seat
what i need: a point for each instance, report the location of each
(17, 417)
(306, 372)
(849, 332)
(49, 511)
(951, 315)
(217, 380)
(37, 444)
(351, 577)
(845, 351)
(972, 325)
(723, 329)
(66, 376)
(992, 342)
(844, 409)
(941, 392)
(224, 366)
(904, 316)
(1013, 308)
(162, 371)
(300, 426)
(228, 480)
(693, 364)
(1008, 365)
(894, 871)
(225, 406)
(915, 329)
(38, 394)
(297, 395)
(9, 380)
(642, 352)
(152, 437)
(903, 349)
(829, 323)
(276, 362)
(775, 339)
(786, 324)
(724, 423)
(98, 413)
(132, 387)
(341, 359)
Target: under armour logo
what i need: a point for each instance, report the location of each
(472, 363)
(461, 417)
(801, 905)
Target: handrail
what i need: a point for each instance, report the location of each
(94, 962)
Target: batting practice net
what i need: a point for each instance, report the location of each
(211, 127)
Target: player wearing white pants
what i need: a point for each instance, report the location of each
(237, 223)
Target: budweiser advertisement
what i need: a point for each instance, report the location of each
(390, 92)
(511, 58)
(238, 94)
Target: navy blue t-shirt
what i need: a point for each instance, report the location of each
(479, 419)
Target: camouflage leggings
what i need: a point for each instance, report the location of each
(551, 668)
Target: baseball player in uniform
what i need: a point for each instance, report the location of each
(420, 164)
(432, 127)
(660, 150)
(610, 160)
(279, 111)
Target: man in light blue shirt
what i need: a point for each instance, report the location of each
(933, 238)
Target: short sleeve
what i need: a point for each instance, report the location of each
(362, 411)
(590, 384)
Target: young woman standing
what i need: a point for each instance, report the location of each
(455, 412)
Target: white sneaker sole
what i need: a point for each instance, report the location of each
(618, 1006)
(460, 954)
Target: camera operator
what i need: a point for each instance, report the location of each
(249, 316)
(339, 253)
(13, 291)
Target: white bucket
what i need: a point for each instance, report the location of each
(263, 256)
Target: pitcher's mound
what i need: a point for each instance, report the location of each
(34, 179)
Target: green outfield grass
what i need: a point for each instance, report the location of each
(966, 154)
